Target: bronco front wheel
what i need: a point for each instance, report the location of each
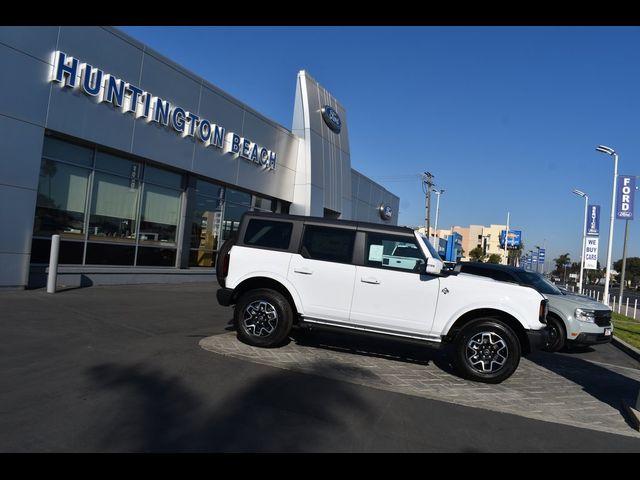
(487, 350)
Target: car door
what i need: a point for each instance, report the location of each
(389, 293)
(323, 272)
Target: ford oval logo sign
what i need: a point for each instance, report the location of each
(386, 212)
(331, 118)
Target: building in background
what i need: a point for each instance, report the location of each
(144, 168)
(468, 238)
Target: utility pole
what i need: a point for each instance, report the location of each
(427, 185)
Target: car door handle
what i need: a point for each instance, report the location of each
(373, 280)
(303, 270)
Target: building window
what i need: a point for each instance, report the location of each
(114, 207)
(263, 204)
(123, 217)
(205, 217)
(235, 204)
(62, 193)
(160, 213)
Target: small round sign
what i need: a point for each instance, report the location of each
(386, 212)
(331, 118)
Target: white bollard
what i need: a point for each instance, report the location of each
(53, 264)
(635, 308)
(597, 296)
(626, 309)
(619, 304)
(613, 307)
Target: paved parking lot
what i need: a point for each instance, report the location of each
(123, 369)
(565, 389)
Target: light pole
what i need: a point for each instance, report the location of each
(584, 235)
(612, 152)
(506, 241)
(435, 233)
(538, 254)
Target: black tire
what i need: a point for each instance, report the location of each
(557, 334)
(487, 350)
(226, 246)
(263, 318)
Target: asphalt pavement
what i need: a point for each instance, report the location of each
(124, 369)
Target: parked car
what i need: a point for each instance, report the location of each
(285, 271)
(573, 320)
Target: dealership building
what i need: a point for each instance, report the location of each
(144, 169)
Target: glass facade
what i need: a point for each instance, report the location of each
(204, 217)
(108, 210)
(113, 210)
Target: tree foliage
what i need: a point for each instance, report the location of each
(477, 254)
(632, 269)
(561, 261)
(494, 258)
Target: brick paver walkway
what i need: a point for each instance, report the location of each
(554, 388)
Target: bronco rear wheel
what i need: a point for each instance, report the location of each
(263, 318)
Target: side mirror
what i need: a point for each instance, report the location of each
(429, 268)
(433, 268)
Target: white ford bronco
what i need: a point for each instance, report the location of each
(282, 271)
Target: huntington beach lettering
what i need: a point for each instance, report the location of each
(90, 80)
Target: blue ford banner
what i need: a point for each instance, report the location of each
(514, 238)
(624, 196)
(593, 220)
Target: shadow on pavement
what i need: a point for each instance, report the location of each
(601, 383)
(387, 348)
(278, 412)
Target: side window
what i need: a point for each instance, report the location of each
(393, 252)
(268, 233)
(330, 244)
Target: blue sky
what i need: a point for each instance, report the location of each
(506, 118)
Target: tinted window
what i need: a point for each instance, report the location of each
(473, 270)
(269, 234)
(538, 282)
(501, 276)
(393, 252)
(331, 244)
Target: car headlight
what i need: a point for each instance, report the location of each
(585, 315)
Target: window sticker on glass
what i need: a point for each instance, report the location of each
(375, 253)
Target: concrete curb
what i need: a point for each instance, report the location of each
(626, 348)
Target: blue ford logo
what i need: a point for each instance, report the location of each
(331, 118)
(386, 212)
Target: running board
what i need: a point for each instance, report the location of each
(330, 325)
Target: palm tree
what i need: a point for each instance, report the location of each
(561, 261)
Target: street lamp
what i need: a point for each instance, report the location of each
(584, 235)
(612, 152)
(435, 233)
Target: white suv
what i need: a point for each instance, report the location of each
(282, 271)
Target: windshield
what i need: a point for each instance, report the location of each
(432, 250)
(538, 282)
